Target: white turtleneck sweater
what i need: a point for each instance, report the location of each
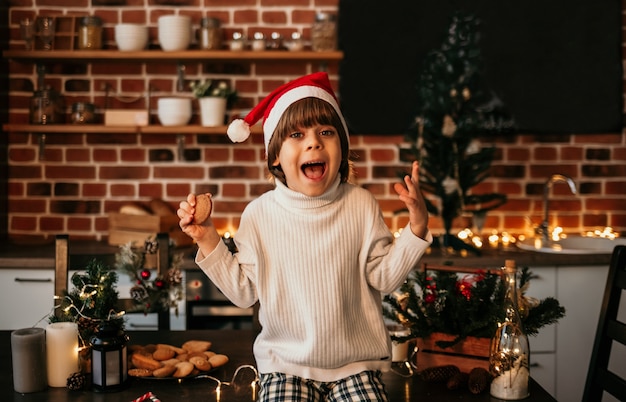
(317, 266)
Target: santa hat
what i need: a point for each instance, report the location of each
(272, 107)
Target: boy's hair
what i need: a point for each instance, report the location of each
(306, 113)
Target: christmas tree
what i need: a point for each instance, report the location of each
(454, 111)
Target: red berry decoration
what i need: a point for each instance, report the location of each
(159, 284)
(145, 274)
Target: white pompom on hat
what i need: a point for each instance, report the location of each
(272, 107)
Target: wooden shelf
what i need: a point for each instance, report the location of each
(101, 129)
(114, 55)
(177, 56)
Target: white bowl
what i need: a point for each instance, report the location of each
(174, 32)
(174, 111)
(131, 37)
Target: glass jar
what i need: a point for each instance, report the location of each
(46, 107)
(238, 43)
(324, 33)
(83, 113)
(275, 42)
(90, 33)
(258, 41)
(296, 44)
(509, 353)
(210, 34)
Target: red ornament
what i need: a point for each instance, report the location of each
(429, 298)
(145, 274)
(464, 288)
(159, 284)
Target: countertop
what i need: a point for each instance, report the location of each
(40, 255)
(237, 344)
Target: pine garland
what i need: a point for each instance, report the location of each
(151, 294)
(468, 305)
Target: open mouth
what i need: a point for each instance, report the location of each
(314, 170)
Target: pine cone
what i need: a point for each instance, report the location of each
(439, 373)
(174, 276)
(457, 381)
(478, 380)
(76, 381)
(138, 293)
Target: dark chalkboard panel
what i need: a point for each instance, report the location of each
(556, 64)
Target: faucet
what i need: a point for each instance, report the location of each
(544, 228)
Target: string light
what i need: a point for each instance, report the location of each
(232, 382)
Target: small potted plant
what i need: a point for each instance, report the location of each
(214, 97)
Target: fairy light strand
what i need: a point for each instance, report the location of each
(218, 389)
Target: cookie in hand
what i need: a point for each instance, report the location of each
(204, 205)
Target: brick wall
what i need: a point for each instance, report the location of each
(83, 177)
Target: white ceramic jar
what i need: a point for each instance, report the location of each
(174, 111)
(174, 32)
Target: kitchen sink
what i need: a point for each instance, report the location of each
(572, 244)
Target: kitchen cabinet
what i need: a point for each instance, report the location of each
(26, 297)
(581, 289)
(543, 346)
(560, 354)
(41, 57)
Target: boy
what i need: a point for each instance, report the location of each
(314, 252)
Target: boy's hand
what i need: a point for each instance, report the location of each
(412, 197)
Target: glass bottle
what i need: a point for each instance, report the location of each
(509, 351)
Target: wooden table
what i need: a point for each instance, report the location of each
(237, 344)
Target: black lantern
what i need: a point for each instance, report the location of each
(109, 358)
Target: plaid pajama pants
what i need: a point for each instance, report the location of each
(365, 386)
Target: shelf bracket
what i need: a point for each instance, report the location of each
(180, 142)
(180, 68)
(42, 147)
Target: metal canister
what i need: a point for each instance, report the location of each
(210, 34)
(83, 113)
(90, 33)
(324, 33)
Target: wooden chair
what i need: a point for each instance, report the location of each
(62, 267)
(600, 378)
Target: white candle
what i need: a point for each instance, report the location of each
(399, 351)
(62, 352)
